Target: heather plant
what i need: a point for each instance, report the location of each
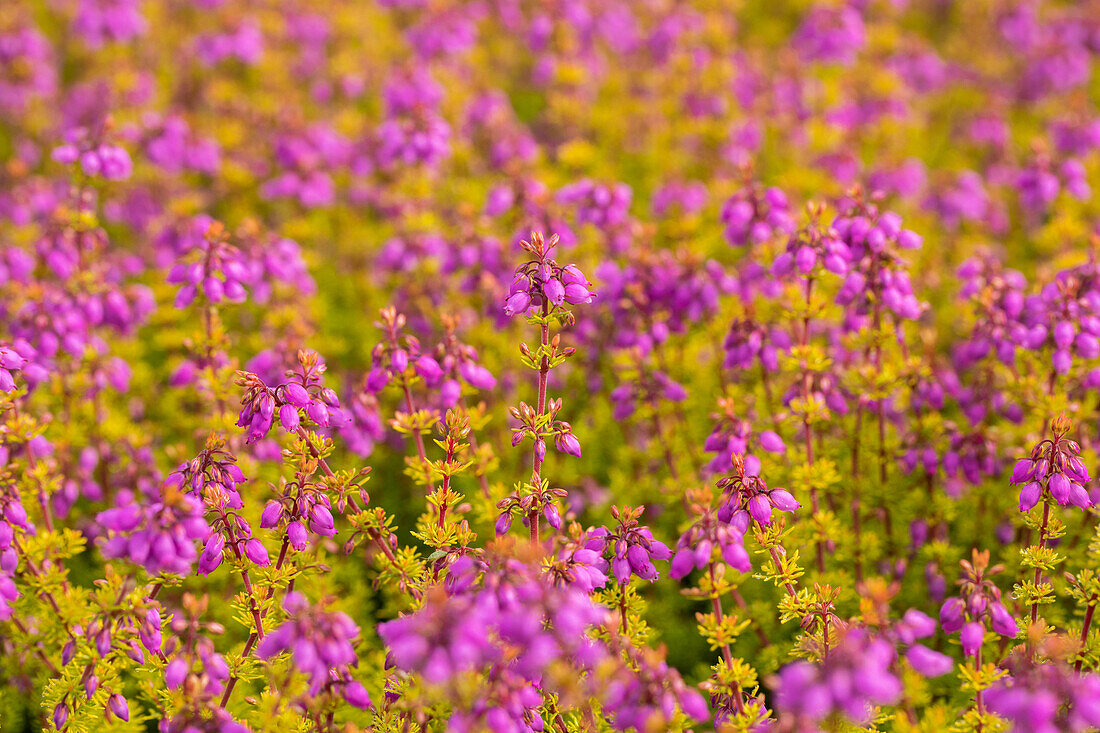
(498, 365)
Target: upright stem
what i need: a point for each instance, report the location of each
(43, 500)
(258, 632)
(717, 604)
(208, 363)
(857, 509)
(807, 428)
(375, 536)
(37, 646)
(669, 461)
(536, 462)
(1085, 629)
(446, 483)
(979, 704)
(1042, 545)
(482, 481)
(315, 452)
(786, 584)
(765, 381)
(727, 654)
(417, 437)
(622, 607)
(1052, 382)
(256, 618)
(740, 601)
(47, 515)
(37, 572)
(880, 414)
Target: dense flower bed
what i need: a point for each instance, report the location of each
(549, 365)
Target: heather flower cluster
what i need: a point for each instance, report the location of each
(811, 693)
(399, 366)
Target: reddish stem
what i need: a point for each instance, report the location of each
(1042, 545)
(536, 461)
(979, 704)
(1085, 630)
(446, 483)
(622, 607)
(857, 509)
(253, 636)
(417, 437)
(778, 565)
(718, 616)
(807, 428)
(482, 481)
(37, 647)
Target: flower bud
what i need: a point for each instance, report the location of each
(915, 625)
(296, 394)
(103, 641)
(399, 360)
(782, 500)
(1029, 495)
(318, 413)
(553, 518)
(91, 684)
(971, 638)
(357, 696)
(476, 375)
(1059, 488)
(908, 239)
(805, 258)
(736, 556)
(752, 465)
(176, 672)
(1078, 496)
(15, 514)
(577, 294)
(60, 715)
(256, 552)
(1064, 332)
(288, 418)
(517, 303)
(320, 516)
(118, 706)
(927, 662)
(554, 291)
(429, 369)
(1002, 621)
(567, 443)
(1023, 471)
(703, 552)
(1077, 468)
(760, 509)
(267, 406)
(273, 512)
(951, 615)
(296, 535)
(771, 442)
(640, 563)
(682, 564)
(377, 379)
